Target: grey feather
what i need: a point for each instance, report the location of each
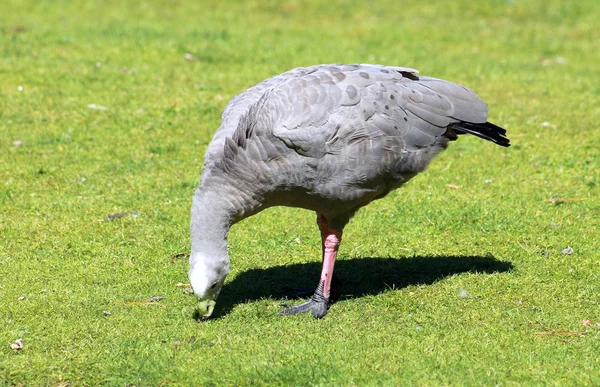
(328, 138)
(312, 130)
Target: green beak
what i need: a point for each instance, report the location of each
(206, 307)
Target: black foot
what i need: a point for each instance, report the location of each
(318, 305)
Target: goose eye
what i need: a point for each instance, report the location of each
(213, 286)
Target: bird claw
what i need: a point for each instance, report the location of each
(318, 308)
(318, 305)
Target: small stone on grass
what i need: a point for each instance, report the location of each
(568, 251)
(117, 215)
(97, 107)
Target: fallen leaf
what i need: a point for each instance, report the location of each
(453, 186)
(562, 200)
(178, 255)
(559, 333)
(155, 298)
(188, 291)
(587, 323)
(289, 7)
(17, 345)
(14, 30)
(556, 332)
(180, 284)
(17, 143)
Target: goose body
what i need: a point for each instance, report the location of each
(327, 138)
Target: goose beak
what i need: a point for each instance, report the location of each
(206, 307)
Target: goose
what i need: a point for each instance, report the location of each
(326, 138)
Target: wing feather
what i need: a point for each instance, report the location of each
(306, 107)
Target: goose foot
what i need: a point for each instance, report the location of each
(318, 305)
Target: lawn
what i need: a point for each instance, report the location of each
(484, 270)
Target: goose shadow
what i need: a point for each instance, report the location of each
(357, 277)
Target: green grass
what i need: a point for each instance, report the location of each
(441, 286)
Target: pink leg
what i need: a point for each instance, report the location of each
(319, 303)
(330, 242)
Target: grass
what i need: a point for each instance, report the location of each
(441, 285)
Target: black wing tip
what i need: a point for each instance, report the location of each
(486, 131)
